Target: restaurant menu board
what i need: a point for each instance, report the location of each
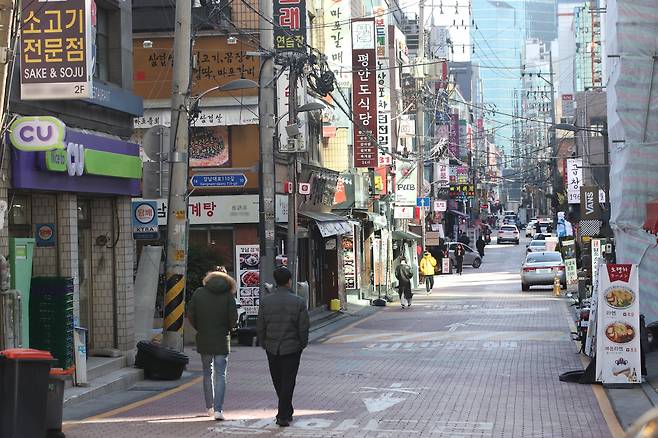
(247, 275)
(618, 325)
(350, 260)
(569, 255)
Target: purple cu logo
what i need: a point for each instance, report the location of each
(36, 134)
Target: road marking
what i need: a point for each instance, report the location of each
(449, 345)
(454, 326)
(381, 403)
(475, 335)
(71, 424)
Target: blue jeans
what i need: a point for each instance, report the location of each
(214, 380)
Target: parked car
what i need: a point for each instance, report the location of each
(536, 246)
(471, 257)
(530, 228)
(541, 268)
(545, 225)
(508, 233)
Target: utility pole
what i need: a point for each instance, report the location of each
(420, 116)
(266, 111)
(177, 226)
(552, 138)
(292, 175)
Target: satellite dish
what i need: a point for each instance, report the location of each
(156, 142)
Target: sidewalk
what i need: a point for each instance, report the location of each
(323, 324)
(630, 403)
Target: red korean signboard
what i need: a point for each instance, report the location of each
(290, 28)
(364, 93)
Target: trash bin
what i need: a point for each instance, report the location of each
(159, 362)
(55, 402)
(24, 392)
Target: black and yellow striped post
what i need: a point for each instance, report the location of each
(174, 302)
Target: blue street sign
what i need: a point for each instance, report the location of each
(228, 180)
(422, 202)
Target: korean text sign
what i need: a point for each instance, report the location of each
(618, 324)
(364, 94)
(55, 50)
(574, 179)
(338, 39)
(290, 28)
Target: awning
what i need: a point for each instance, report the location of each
(405, 235)
(329, 224)
(458, 213)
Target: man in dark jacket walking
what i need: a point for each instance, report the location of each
(283, 332)
(213, 313)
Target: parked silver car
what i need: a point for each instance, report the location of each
(541, 268)
(471, 257)
(536, 246)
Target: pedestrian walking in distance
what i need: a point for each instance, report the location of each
(404, 274)
(283, 332)
(459, 257)
(428, 268)
(480, 244)
(213, 313)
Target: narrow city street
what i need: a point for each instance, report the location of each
(476, 358)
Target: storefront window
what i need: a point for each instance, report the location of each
(20, 214)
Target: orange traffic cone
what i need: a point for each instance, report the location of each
(557, 289)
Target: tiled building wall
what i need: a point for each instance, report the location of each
(67, 242)
(124, 268)
(102, 265)
(336, 151)
(44, 211)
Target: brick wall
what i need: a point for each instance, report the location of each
(124, 268)
(67, 242)
(44, 211)
(102, 265)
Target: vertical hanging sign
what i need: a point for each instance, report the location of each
(453, 139)
(56, 50)
(338, 40)
(364, 97)
(290, 29)
(383, 86)
(574, 179)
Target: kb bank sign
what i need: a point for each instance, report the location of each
(47, 155)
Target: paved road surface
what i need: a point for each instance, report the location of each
(476, 358)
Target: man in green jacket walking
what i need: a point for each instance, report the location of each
(283, 332)
(213, 313)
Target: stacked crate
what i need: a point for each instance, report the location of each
(51, 318)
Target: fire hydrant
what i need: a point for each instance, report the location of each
(557, 288)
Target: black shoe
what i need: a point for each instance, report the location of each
(283, 423)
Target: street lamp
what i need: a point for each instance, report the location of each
(293, 131)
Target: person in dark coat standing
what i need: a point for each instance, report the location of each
(404, 274)
(480, 244)
(282, 328)
(463, 238)
(213, 314)
(459, 257)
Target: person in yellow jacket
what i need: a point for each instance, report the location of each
(427, 268)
